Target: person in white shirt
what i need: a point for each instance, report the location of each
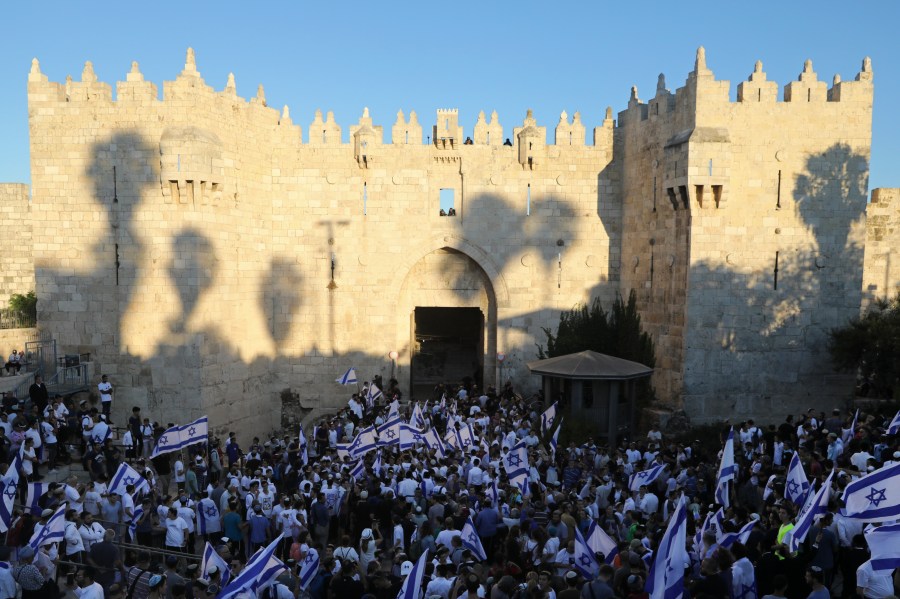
(106, 394)
(179, 474)
(176, 531)
(91, 532)
(87, 588)
(74, 540)
(29, 458)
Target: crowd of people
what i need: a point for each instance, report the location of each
(368, 513)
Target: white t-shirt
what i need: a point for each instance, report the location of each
(876, 584)
(27, 466)
(105, 391)
(179, 467)
(175, 528)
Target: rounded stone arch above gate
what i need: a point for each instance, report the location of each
(475, 253)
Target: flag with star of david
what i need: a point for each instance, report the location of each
(33, 499)
(260, 572)
(410, 436)
(365, 441)
(727, 471)
(208, 521)
(418, 417)
(465, 436)
(515, 463)
(730, 538)
(389, 432)
(796, 486)
(9, 487)
(884, 545)
(471, 541)
(373, 394)
(376, 465)
(666, 577)
(309, 568)
(126, 475)
(433, 441)
(135, 517)
(303, 446)
(412, 584)
(53, 531)
(585, 558)
(548, 418)
(179, 437)
(554, 439)
(359, 470)
(348, 378)
(807, 516)
(645, 477)
(894, 426)
(210, 559)
(599, 542)
(874, 497)
(847, 433)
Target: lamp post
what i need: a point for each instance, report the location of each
(393, 355)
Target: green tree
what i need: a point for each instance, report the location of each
(870, 346)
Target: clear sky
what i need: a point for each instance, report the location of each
(486, 55)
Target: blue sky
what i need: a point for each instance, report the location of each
(503, 56)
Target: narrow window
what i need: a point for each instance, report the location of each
(809, 95)
(570, 138)
(778, 192)
(528, 201)
(448, 202)
(654, 194)
(529, 145)
(323, 135)
(699, 190)
(710, 167)
(489, 138)
(717, 194)
(407, 136)
(365, 199)
(759, 95)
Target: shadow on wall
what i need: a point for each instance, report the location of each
(759, 324)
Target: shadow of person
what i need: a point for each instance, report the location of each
(281, 298)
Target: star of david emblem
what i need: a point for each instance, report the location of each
(643, 474)
(163, 440)
(211, 511)
(473, 538)
(10, 491)
(390, 434)
(876, 496)
(793, 487)
(129, 480)
(514, 460)
(747, 591)
(417, 437)
(192, 431)
(585, 560)
(309, 558)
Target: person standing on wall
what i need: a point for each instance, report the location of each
(106, 392)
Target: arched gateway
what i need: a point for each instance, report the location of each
(447, 321)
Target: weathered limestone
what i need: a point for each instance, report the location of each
(211, 257)
(881, 277)
(17, 263)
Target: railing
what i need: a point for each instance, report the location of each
(13, 319)
(65, 381)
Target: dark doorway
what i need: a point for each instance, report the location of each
(448, 347)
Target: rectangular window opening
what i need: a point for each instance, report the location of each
(778, 192)
(699, 190)
(717, 194)
(710, 167)
(682, 190)
(489, 138)
(323, 135)
(365, 199)
(448, 202)
(528, 201)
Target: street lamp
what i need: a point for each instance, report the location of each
(393, 355)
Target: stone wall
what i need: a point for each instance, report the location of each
(881, 277)
(17, 273)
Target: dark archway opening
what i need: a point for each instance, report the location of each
(448, 347)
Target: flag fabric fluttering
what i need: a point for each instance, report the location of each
(730, 538)
(666, 577)
(432, 440)
(727, 471)
(847, 433)
(418, 417)
(309, 568)
(409, 436)
(126, 475)
(208, 521)
(413, 583)
(884, 545)
(471, 541)
(179, 437)
(135, 518)
(645, 477)
(585, 560)
(554, 438)
(548, 418)
(261, 571)
(797, 485)
(894, 426)
(53, 531)
(874, 497)
(394, 410)
(9, 487)
(807, 517)
(348, 378)
(35, 492)
(365, 441)
(389, 432)
(373, 395)
(303, 445)
(358, 471)
(515, 463)
(600, 542)
(210, 559)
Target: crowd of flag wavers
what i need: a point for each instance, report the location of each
(467, 494)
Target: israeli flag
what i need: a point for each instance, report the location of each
(451, 438)
(35, 492)
(126, 475)
(394, 410)
(373, 395)
(348, 378)
(359, 470)
(471, 541)
(548, 418)
(515, 463)
(847, 433)
(433, 441)
(9, 484)
(554, 439)
(807, 516)
(210, 559)
(418, 418)
(884, 545)
(894, 426)
(365, 441)
(412, 585)
(304, 447)
(600, 542)
(376, 465)
(309, 568)
(727, 471)
(208, 521)
(261, 571)
(796, 486)
(666, 577)
(466, 436)
(730, 538)
(874, 497)
(389, 432)
(645, 477)
(179, 437)
(52, 532)
(585, 559)
(132, 526)
(410, 436)
(100, 433)
(493, 494)
(343, 451)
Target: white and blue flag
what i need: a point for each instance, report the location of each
(359, 470)
(208, 521)
(727, 471)
(210, 559)
(515, 463)
(261, 571)
(471, 541)
(548, 418)
(796, 486)
(884, 545)
(874, 497)
(433, 441)
(600, 542)
(894, 426)
(126, 475)
(389, 432)
(847, 433)
(585, 559)
(730, 538)
(135, 517)
(179, 437)
(372, 395)
(466, 436)
(666, 577)
(9, 487)
(554, 439)
(348, 378)
(365, 441)
(418, 417)
(645, 477)
(303, 446)
(52, 532)
(807, 516)
(410, 436)
(309, 568)
(35, 492)
(412, 585)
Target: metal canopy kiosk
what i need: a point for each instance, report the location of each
(593, 386)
